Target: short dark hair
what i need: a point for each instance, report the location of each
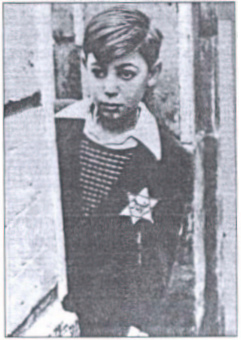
(117, 32)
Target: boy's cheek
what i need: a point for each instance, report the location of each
(94, 88)
(135, 96)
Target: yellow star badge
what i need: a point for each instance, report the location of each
(140, 206)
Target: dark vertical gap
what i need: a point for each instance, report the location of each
(56, 74)
(217, 111)
(210, 325)
(205, 106)
(205, 68)
(197, 71)
(205, 28)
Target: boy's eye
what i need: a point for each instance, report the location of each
(99, 72)
(126, 74)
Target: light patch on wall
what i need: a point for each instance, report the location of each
(20, 43)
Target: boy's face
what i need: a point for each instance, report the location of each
(117, 87)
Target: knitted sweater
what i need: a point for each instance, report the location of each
(122, 212)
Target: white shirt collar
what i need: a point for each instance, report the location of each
(145, 131)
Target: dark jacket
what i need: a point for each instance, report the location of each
(112, 277)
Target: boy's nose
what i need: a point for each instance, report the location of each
(111, 94)
(111, 86)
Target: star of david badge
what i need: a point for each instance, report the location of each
(140, 206)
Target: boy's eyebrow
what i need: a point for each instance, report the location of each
(127, 64)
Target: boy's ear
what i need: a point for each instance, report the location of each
(154, 74)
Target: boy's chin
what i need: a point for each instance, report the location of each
(116, 122)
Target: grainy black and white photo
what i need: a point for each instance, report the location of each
(120, 169)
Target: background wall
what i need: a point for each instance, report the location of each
(20, 79)
(33, 221)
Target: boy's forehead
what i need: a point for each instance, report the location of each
(133, 58)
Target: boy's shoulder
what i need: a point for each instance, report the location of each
(171, 145)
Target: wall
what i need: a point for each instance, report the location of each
(20, 78)
(66, 55)
(33, 222)
(215, 221)
(31, 263)
(226, 183)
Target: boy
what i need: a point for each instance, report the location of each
(125, 182)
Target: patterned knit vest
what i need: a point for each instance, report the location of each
(100, 170)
